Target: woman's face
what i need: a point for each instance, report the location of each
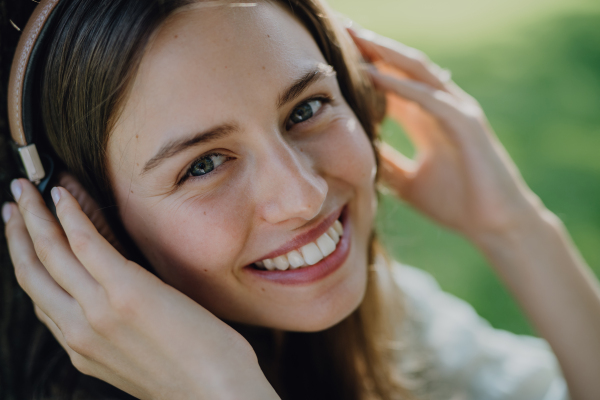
(235, 145)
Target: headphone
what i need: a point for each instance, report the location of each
(22, 117)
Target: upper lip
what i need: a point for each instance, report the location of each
(306, 237)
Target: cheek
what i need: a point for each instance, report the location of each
(346, 152)
(187, 239)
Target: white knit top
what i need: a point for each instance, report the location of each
(459, 356)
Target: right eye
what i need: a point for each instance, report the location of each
(206, 164)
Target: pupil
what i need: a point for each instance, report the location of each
(302, 113)
(202, 167)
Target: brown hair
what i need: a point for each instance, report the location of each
(92, 59)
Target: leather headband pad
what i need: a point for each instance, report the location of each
(22, 76)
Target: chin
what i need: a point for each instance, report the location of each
(326, 320)
(320, 313)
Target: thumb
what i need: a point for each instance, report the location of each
(397, 170)
(90, 208)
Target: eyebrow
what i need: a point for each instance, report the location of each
(174, 147)
(300, 85)
(177, 146)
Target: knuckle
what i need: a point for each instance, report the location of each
(80, 241)
(39, 314)
(78, 338)
(472, 111)
(44, 246)
(80, 363)
(23, 269)
(420, 59)
(101, 320)
(22, 273)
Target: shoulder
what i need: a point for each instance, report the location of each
(471, 359)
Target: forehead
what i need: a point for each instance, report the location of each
(205, 65)
(204, 54)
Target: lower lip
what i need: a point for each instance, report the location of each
(313, 273)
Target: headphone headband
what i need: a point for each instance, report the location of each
(21, 88)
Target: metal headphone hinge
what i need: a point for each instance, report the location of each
(33, 164)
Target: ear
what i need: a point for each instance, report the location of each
(90, 208)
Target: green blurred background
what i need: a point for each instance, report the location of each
(535, 68)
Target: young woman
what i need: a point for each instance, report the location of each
(232, 148)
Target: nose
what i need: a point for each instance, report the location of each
(289, 187)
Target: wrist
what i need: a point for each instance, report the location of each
(531, 222)
(243, 379)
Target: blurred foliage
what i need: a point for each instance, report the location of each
(535, 68)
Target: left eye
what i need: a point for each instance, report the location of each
(305, 111)
(206, 164)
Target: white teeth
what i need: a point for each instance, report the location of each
(333, 235)
(295, 258)
(281, 263)
(337, 225)
(311, 253)
(269, 264)
(326, 244)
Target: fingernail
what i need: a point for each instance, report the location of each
(6, 212)
(346, 22)
(55, 192)
(16, 189)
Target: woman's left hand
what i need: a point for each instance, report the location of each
(462, 177)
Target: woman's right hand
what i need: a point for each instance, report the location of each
(117, 321)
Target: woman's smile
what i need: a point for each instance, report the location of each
(312, 261)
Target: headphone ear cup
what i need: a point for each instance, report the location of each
(90, 207)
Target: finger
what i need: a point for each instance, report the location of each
(31, 274)
(51, 325)
(50, 242)
(414, 62)
(440, 104)
(422, 128)
(397, 170)
(98, 256)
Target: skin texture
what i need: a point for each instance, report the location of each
(279, 182)
(121, 324)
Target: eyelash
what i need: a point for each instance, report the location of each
(188, 174)
(323, 98)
